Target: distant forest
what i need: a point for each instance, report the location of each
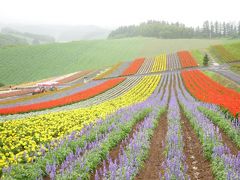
(166, 30)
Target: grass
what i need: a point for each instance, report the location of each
(30, 63)
(222, 80)
(235, 68)
(198, 56)
(234, 49)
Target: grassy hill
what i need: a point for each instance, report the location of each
(234, 49)
(30, 38)
(30, 63)
(9, 40)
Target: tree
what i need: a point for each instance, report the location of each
(239, 28)
(205, 60)
(211, 30)
(224, 29)
(216, 29)
(206, 29)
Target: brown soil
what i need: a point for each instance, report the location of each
(152, 165)
(229, 143)
(113, 154)
(198, 166)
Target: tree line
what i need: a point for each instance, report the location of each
(166, 30)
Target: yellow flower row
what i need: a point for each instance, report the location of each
(21, 139)
(109, 71)
(160, 63)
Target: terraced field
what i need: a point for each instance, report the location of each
(151, 118)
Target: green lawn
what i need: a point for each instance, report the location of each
(30, 63)
(222, 80)
(234, 49)
(198, 56)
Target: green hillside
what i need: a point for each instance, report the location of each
(9, 40)
(30, 63)
(234, 49)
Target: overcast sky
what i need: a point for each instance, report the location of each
(112, 13)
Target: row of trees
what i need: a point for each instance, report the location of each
(220, 29)
(163, 29)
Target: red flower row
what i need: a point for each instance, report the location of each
(16, 93)
(186, 59)
(88, 93)
(205, 89)
(134, 67)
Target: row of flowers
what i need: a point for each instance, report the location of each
(108, 71)
(207, 90)
(186, 59)
(174, 165)
(79, 96)
(85, 148)
(160, 63)
(134, 67)
(225, 165)
(23, 138)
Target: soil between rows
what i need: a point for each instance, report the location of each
(229, 143)
(152, 165)
(198, 166)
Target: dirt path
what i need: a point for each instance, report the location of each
(229, 143)
(198, 166)
(152, 165)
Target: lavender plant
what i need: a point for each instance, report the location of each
(174, 165)
(223, 162)
(130, 158)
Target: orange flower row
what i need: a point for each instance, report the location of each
(88, 93)
(186, 59)
(134, 67)
(207, 90)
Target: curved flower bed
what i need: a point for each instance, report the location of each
(207, 90)
(134, 67)
(82, 95)
(186, 59)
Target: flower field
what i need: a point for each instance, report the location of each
(65, 100)
(159, 121)
(134, 67)
(186, 59)
(206, 90)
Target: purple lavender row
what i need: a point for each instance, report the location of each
(74, 159)
(173, 61)
(81, 162)
(120, 69)
(229, 74)
(223, 162)
(130, 159)
(86, 138)
(146, 66)
(174, 165)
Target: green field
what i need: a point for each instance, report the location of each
(29, 63)
(233, 49)
(198, 56)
